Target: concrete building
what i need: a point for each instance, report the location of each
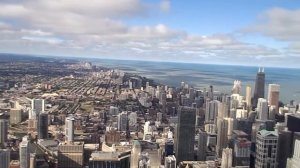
(122, 121)
(70, 155)
(43, 126)
(248, 98)
(236, 89)
(266, 149)
(37, 106)
(24, 152)
(3, 131)
(273, 95)
(15, 116)
(222, 138)
(185, 134)
(202, 146)
(4, 158)
(241, 152)
(262, 109)
(100, 159)
(295, 161)
(170, 161)
(226, 158)
(211, 110)
(69, 129)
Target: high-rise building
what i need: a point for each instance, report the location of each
(37, 106)
(4, 158)
(259, 91)
(236, 89)
(222, 138)
(211, 110)
(266, 149)
(43, 126)
(70, 155)
(226, 158)
(248, 97)
(3, 131)
(295, 161)
(15, 116)
(185, 134)
(211, 92)
(241, 152)
(202, 146)
(273, 95)
(262, 109)
(122, 121)
(284, 147)
(69, 129)
(170, 161)
(24, 152)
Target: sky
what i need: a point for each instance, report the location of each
(237, 32)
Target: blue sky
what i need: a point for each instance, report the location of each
(244, 32)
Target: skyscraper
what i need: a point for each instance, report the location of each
(3, 131)
(185, 134)
(262, 109)
(24, 153)
(266, 149)
(295, 161)
(259, 91)
(69, 128)
(43, 126)
(4, 158)
(236, 89)
(248, 97)
(211, 110)
(122, 121)
(273, 95)
(226, 158)
(202, 146)
(37, 106)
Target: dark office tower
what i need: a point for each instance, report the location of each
(284, 148)
(293, 122)
(202, 145)
(259, 91)
(211, 92)
(185, 134)
(3, 131)
(43, 126)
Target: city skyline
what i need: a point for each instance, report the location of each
(240, 33)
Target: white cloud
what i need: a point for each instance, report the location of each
(75, 27)
(165, 5)
(279, 23)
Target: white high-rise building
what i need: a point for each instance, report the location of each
(266, 149)
(4, 158)
(69, 128)
(3, 131)
(170, 161)
(236, 87)
(226, 158)
(295, 161)
(262, 109)
(122, 121)
(24, 152)
(37, 106)
(248, 97)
